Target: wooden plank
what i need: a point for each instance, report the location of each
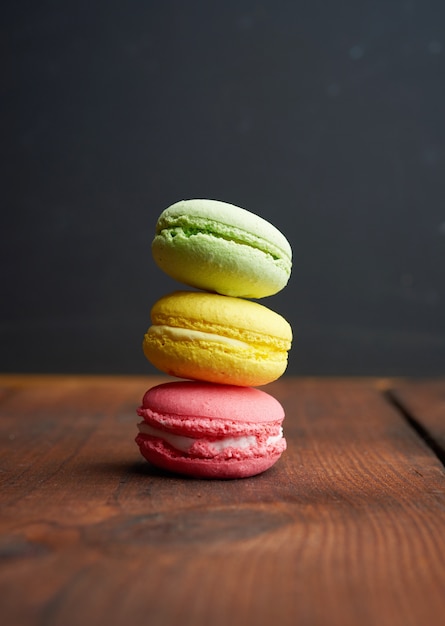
(424, 402)
(347, 529)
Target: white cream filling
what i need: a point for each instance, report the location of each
(183, 444)
(187, 334)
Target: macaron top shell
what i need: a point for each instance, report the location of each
(198, 408)
(227, 221)
(219, 247)
(227, 316)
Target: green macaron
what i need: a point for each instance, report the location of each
(219, 247)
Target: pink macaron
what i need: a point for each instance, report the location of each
(208, 430)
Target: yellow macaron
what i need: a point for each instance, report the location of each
(215, 338)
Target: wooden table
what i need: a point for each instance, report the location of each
(347, 529)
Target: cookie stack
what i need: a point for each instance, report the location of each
(216, 424)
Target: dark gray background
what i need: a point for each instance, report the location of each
(326, 118)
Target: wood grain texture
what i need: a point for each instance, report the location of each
(346, 529)
(424, 401)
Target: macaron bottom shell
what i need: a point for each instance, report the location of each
(214, 361)
(217, 265)
(164, 457)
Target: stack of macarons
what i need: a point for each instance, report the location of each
(216, 423)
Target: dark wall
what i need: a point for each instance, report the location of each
(326, 118)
